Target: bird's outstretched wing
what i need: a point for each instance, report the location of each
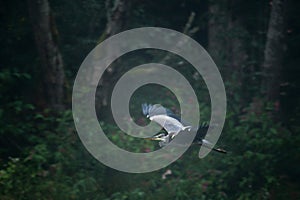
(157, 109)
(171, 125)
(165, 118)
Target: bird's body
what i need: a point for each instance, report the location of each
(170, 124)
(173, 125)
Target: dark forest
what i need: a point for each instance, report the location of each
(254, 45)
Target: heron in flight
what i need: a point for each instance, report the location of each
(173, 125)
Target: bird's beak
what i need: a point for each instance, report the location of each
(156, 139)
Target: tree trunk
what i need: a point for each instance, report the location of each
(226, 47)
(217, 27)
(46, 36)
(273, 53)
(117, 12)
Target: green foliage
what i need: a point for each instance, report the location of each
(51, 166)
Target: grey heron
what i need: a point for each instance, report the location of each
(173, 125)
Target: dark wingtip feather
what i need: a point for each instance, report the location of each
(145, 108)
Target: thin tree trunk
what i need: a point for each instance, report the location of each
(46, 36)
(225, 42)
(273, 52)
(117, 12)
(236, 61)
(217, 28)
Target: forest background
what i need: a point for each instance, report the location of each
(254, 44)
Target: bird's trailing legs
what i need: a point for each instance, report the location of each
(165, 139)
(205, 144)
